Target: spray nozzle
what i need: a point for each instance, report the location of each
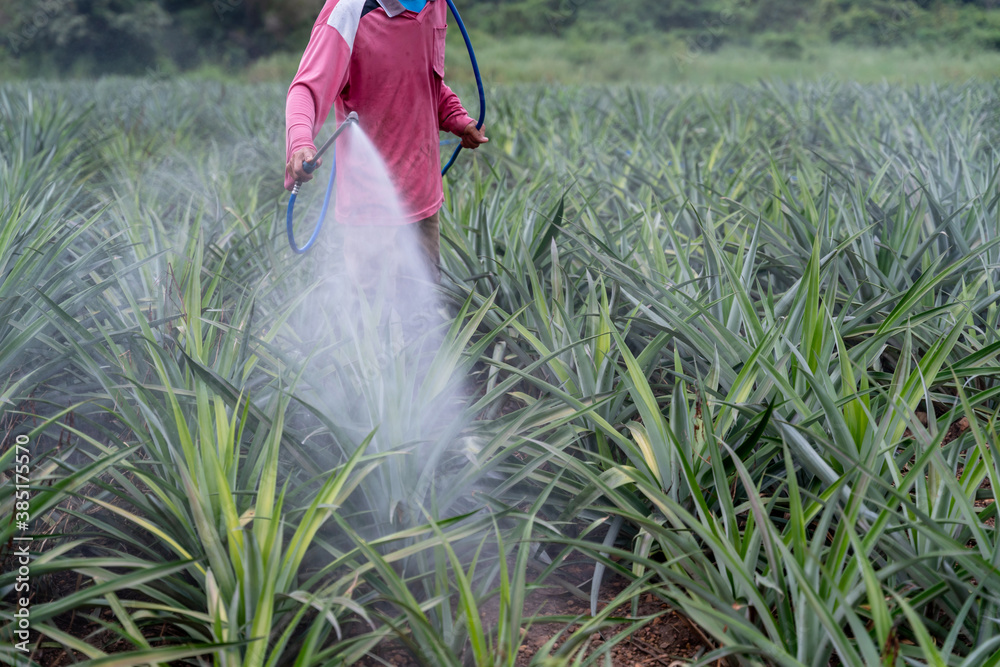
(310, 166)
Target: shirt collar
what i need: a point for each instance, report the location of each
(393, 7)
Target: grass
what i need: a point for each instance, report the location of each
(752, 329)
(672, 60)
(661, 61)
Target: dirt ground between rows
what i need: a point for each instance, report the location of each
(668, 639)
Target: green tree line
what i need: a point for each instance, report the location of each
(129, 36)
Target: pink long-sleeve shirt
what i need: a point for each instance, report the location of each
(386, 63)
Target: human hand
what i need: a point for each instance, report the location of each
(294, 166)
(473, 137)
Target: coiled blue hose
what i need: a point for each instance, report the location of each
(310, 166)
(479, 82)
(322, 215)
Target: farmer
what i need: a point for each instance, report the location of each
(383, 59)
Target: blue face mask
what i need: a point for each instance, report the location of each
(413, 5)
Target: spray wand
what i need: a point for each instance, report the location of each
(309, 167)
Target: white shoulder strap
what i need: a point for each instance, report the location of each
(345, 18)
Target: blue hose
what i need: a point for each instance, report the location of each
(479, 82)
(309, 167)
(322, 215)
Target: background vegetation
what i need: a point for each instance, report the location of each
(90, 37)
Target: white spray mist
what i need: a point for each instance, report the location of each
(384, 324)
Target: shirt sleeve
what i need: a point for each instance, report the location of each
(452, 116)
(322, 75)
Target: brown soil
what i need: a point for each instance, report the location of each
(83, 625)
(667, 639)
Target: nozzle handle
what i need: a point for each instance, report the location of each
(351, 118)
